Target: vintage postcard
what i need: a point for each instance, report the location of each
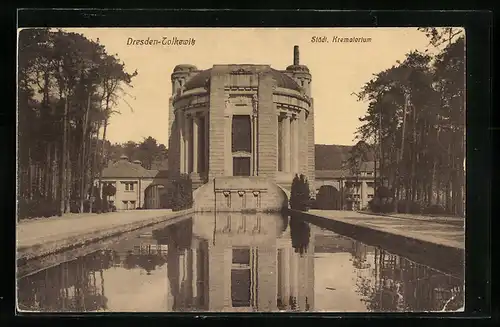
(241, 170)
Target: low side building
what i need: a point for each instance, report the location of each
(337, 187)
(136, 186)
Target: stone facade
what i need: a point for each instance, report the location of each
(136, 187)
(357, 190)
(277, 106)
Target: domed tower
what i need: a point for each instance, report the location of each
(181, 74)
(301, 75)
(179, 77)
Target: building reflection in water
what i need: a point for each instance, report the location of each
(238, 262)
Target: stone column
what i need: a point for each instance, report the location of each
(181, 270)
(254, 146)
(195, 274)
(182, 144)
(295, 276)
(207, 144)
(187, 144)
(196, 138)
(362, 195)
(286, 275)
(286, 143)
(295, 145)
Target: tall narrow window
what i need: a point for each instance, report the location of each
(241, 133)
(241, 279)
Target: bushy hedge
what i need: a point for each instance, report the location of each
(37, 208)
(299, 195)
(434, 209)
(182, 193)
(44, 208)
(99, 206)
(383, 202)
(378, 206)
(408, 206)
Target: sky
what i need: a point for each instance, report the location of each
(338, 69)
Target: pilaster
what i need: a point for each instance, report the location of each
(267, 127)
(216, 133)
(228, 163)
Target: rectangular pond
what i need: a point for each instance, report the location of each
(237, 263)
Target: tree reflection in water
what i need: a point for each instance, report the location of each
(300, 233)
(397, 284)
(70, 287)
(178, 237)
(146, 261)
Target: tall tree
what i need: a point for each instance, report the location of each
(416, 111)
(60, 107)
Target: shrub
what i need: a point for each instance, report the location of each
(37, 208)
(384, 192)
(299, 195)
(379, 206)
(434, 209)
(108, 190)
(182, 195)
(408, 206)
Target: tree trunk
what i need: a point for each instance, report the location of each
(94, 163)
(69, 178)
(402, 147)
(55, 176)
(64, 158)
(84, 154)
(102, 151)
(48, 172)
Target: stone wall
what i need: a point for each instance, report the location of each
(268, 128)
(217, 123)
(231, 194)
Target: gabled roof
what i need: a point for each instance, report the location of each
(332, 157)
(126, 169)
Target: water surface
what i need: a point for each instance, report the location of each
(239, 263)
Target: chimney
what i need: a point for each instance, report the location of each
(296, 55)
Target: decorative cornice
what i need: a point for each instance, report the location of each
(241, 71)
(236, 88)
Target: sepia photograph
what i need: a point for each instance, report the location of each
(241, 170)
